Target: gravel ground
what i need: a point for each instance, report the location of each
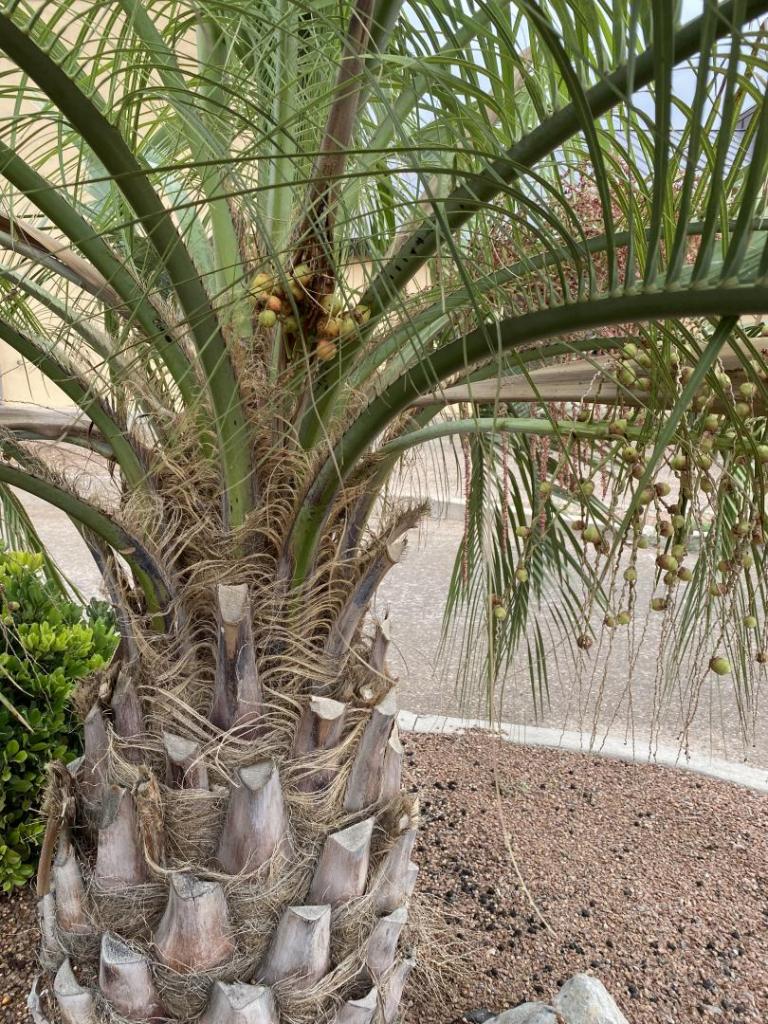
(654, 880)
(18, 953)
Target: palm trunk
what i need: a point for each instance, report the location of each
(229, 851)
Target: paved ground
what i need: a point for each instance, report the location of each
(619, 692)
(622, 689)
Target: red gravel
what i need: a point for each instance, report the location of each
(18, 953)
(656, 881)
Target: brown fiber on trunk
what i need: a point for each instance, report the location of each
(252, 868)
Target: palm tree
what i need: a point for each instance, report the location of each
(270, 249)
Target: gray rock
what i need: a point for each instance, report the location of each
(527, 1013)
(585, 1000)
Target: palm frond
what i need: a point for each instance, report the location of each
(213, 219)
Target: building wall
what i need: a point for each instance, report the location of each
(20, 382)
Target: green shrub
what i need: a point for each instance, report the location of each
(46, 644)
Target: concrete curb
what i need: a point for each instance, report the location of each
(536, 736)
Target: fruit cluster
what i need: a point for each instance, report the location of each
(645, 369)
(335, 323)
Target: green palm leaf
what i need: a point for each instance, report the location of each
(535, 164)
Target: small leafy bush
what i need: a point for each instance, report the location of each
(46, 644)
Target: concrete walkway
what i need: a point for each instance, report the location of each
(625, 690)
(534, 736)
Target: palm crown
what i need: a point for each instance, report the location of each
(263, 247)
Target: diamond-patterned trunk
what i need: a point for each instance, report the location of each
(251, 865)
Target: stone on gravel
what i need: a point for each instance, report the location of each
(528, 1013)
(477, 1017)
(585, 1000)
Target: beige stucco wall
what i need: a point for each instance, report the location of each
(20, 382)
